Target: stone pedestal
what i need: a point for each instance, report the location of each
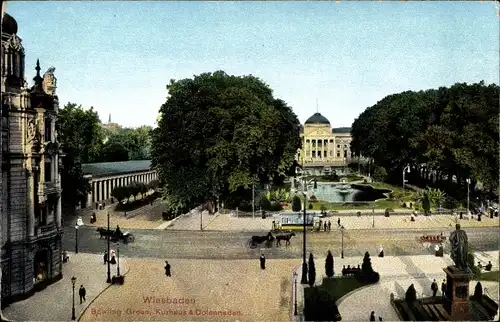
(457, 293)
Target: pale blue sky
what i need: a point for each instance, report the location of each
(118, 56)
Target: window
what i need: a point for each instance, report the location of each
(48, 172)
(48, 129)
(313, 154)
(319, 143)
(338, 146)
(338, 154)
(331, 141)
(308, 141)
(345, 154)
(324, 154)
(345, 146)
(313, 143)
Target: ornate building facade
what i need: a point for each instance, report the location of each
(30, 200)
(323, 146)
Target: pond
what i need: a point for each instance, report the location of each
(344, 192)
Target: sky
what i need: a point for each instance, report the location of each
(337, 58)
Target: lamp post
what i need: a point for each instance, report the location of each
(295, 299)
(253, 201)
(468, 191)
(342, 241)
(373, 215)
(118, 256)
(108, 280)
(79, 222)
(73, 315)
(404, 181)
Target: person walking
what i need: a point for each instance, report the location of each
(82, 292)
(443, 288)
(262, 261)
(434, 288)
(167, 269)
(325, 226)
(105, 257)
(338, 222)
(372, 316)
(329, 225)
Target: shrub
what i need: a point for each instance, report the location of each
(367, 274)
(296, 203)
(478, 291)
(265, 203)
(311, 270)
(329, 265)
(320, 305)
(310, 206)
(275, 206)
(313, 199)
(379, 174)
(411, 294)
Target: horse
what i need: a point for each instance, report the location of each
(103, 232)
(256, 240)
(285, 237)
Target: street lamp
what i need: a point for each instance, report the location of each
(468, 183)
(295, 299)
(79, 223)
(304, 263)
(118, 257)
(404, 181)
(108, 280)
(73, 315)
(373, 215)
(342, 241)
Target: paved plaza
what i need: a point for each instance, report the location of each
(54, 303)
(199, 290)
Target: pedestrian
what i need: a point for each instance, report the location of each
(443, 288)
(329, 225)
(380, 318)
(338, 222)
(372, 316)
(434, 288)
(325, 226)
(65, 256)
(320, 224)
(381, 251)
(105, 257)
(82, 292)
(262, 261)
(113, 259)
(167, 269)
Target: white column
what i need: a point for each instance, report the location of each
(94, 188)
(31, 204)
(101, 190)
(105, 183)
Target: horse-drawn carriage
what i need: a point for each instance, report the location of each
(269, 238)
(116, 235)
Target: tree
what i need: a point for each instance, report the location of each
(320, 305)
(379, 174)
(329, 265)
(218, 133)
(366, 267)
(120, 193)
(411, 294)
(311, 272)
(296, 203)
(80, 134)
(478, 291)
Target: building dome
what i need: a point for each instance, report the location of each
(9, 24)
(317, 118)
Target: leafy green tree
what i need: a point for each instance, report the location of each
(120, 193)
(218, 133)
(311, 270)
(296, 203)
(80, 134)
(329, 265)
(379, 174)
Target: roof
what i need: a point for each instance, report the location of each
(341, 130)
(115, 168)
(317, 118)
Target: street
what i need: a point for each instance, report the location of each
(234, 245)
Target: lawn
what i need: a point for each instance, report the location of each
(338, 287)
(490, 276)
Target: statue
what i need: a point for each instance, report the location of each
(50, 81)
(459, 248)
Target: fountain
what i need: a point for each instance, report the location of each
(342, 192)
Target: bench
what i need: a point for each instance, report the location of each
(350, 271)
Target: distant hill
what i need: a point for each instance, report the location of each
(341, 130)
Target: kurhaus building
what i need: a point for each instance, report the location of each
(322, 145)
(30, 204)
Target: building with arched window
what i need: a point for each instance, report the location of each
(30, 203)
(322, 145)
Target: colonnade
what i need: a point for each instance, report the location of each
(103, 186)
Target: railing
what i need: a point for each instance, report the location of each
(45, 228)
